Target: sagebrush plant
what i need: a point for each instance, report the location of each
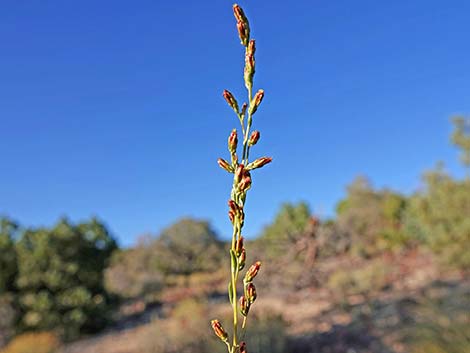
(241, 168)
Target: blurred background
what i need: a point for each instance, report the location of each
(113, 220)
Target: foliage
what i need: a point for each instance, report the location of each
(187, 246)
(8, 264)
(133, 273)
(439, 216)
(8, 315)
(40, 342)
(364, 280)
(371, 218)
(267, 333)
(289, 225)
(182, 332)
(461, 139)
(60, 277)
(442, 324)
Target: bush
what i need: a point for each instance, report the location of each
(371, 219)
(185, 331)
(42, 342)
(60, 277)
(8, 316)
(442, 324)
(439, 217)
(371, 278)
(266, 333)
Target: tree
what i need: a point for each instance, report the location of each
(370, 219)
(289, 224)
(439, 217)
(8, 265)
(188, 246)
(461, 139)
(60, 277)
(133, 272)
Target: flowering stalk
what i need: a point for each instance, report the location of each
(241, 170)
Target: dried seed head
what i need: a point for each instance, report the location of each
(251, 292)
(219, 330)
(225, 165)
(242, 25)
(255, 135)
(233, 141)
(244, 306)
(232, 102)
(243, 347)
(252, 272)
(258, 163)
(257, 99)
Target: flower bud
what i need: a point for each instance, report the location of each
(254, 138)
(232, 102)
(219, 330)
(251, 292)
(243, 347)
(242, 24)
(258, 163)
(239, 246)
(231, 216)
(241, 260)
(245, 183)
(249, 64)
(244, 306)
(239, 173)
(257, 99)
(252, 272)
(244, 106)
(225, 165)
(233, 141)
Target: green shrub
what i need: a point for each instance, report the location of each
(370, 278)
(266, 333)
(439, 217)
(60, 277)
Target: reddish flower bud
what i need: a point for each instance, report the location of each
(231, 216)
(225, 165)
(232, 102)
(219, 330)
(251, 292)
(255, 135)
(257, 99)
(245, 183)
(258, 163)
(242, 24)
(239, 173)
(239, 246)
(252, 272)
(243, 347)
(233, 141)
(244, 306)
(244, 106)
(241, 260)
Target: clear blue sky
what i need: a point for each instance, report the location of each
(114, 108)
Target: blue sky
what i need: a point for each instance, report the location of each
(114, 108)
